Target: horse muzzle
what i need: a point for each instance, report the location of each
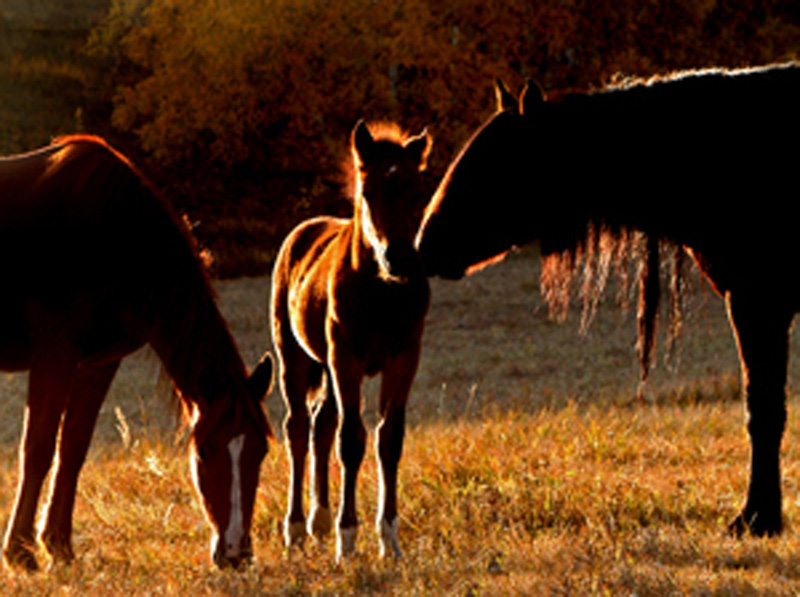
(437, 260)
(227, 557)
(400, 259)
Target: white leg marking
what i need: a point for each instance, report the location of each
(319, 523)
(345, 542)
(389, 542)
(293, 533)
(235, 531)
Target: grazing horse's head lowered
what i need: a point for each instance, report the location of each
(229, 441)
(97, 265)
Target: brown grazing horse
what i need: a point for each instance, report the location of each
(702, 160)
(97, 266)
(349, 298)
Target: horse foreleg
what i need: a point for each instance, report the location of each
(294, 370)
(396, 381)
(86, 397)
(347, 376)
(762, 337)
(47, 394)
(323, 434)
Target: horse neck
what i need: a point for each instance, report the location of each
(192, 340)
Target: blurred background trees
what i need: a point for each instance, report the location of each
(241, 109)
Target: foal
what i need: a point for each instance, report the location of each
(349, 297)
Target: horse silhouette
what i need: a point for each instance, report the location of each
(702, 161)
(349, 299)
(95, 266)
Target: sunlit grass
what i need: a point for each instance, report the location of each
(568, 501)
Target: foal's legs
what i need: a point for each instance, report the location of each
(89, 390)
(347, 374)
(323, 432)
(295, 368)
(762, 335)
(50, 378)
(398, 374)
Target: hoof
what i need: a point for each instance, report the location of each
(388, 541)
(755, 524)
(294, 533)
(345, 543)
(59, 548)
(21, 554)
(319, 525)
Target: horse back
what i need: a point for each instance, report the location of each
(83, 236)
(308, 257)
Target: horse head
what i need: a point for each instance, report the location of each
(474, 215)
(390, 195)
(229, 442)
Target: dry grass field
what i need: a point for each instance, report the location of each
(529, 467)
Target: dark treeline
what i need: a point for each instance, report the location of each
(242, 110)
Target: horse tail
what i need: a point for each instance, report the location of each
(647, 311)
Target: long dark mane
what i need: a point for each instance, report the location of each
(581, 272)
(580, 253)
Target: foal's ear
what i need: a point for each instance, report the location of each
(259, 383)
(505, 100)
(531, 97)
(420, 148)
(361, 142)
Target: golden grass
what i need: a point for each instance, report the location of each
(528, 468)
(578, 500)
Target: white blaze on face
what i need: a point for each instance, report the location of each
(370, 232)
(235, 531)
(372, 237)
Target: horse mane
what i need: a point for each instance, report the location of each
(579, 254)
(620, 81)
(581, 268)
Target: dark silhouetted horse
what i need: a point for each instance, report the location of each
(95, 266)
(349, 298)
(702, 160)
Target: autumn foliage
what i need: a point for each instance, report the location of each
(254, 91)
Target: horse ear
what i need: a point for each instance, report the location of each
(531, 97)
(420, 148)
(259, 383)
(505, 101)
(361, 142)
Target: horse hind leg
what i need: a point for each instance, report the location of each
(762, 335)
(323, 433)
(47, 394)
(85, 400)
(295, 371)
